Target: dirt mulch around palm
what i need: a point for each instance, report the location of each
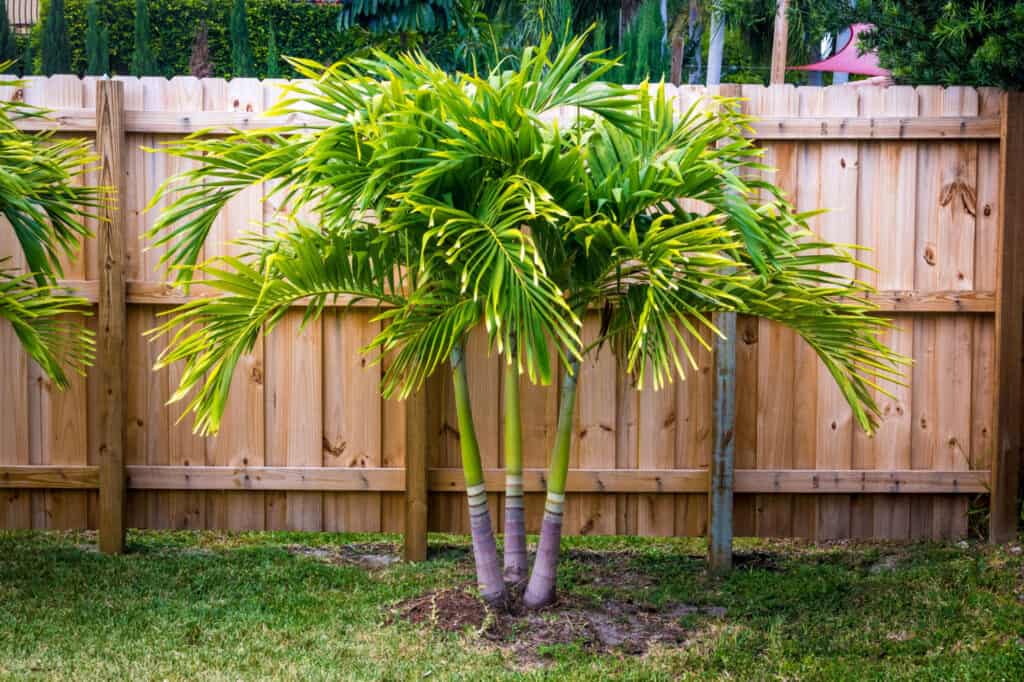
(600, 627)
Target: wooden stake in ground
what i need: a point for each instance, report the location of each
(416, 477)
(110, 351)
(780, 42)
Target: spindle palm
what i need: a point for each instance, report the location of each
(423, 191)
(670, 221)
(514, 201)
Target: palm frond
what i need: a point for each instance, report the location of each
(300, 267)
(46, 203)
(44, 320)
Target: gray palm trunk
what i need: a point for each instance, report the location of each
(515, 523)
(485, 550)
(541, 589)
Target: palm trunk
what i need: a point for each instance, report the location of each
(541, 589)
(485, 551)
(515, 524)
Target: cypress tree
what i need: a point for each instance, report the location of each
(199, 64)
(241, 50)
(28, 57)
(143, 61)
(56, 53)
(97, 39)
(8, 50)
(273, 58)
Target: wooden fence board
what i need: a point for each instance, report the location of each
(352, 417)
(15, 505)
(594, 444)
(912, 173)
(834, 426)
(777, 347)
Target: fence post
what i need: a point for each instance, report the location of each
(723, 441)
(1009, 370)
(416, 477)
(723, 447)
(110, 335)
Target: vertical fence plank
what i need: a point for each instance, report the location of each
(777, 348)
(694, 399)
(808, 409)
(15, 505)
(986, 271)
(594, 445)
(293, 417)
(1006, 464)
(747, 352)
(656, 445)
(241, 441)
(352, 416)
(948, 255)
(110, 351)
(62, 426)
(888, 181)
(626, 441)
(838, 181)
(184, 509)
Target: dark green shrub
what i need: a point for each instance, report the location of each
(144, 63)
(241, 49)
(301, 29)
(97, 39)
(56, 57)
(8, 46)
(273, 69)
(959, 42)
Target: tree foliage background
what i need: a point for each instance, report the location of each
(956, 42)
(970, 42)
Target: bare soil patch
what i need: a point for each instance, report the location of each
(606, 626)
(374, 556)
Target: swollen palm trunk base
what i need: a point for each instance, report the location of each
(541, 590)
(485, 550)
(515, 531)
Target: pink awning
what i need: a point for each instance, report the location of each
(847, 58)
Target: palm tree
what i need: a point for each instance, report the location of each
(454, 201)
(636, 247)
(422, 183)
(46, 210)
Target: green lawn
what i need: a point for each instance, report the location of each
(287, 605)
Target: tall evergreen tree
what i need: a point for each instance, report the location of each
(56, 52)
(199, 64)
(273, 58)
(97, 40)
(241, 50)
(8, 49)
(143, 61)
(28, 58)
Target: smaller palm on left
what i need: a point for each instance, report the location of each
(45, 205)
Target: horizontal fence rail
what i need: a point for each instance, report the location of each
(918, 176)
(165, 293)
(648, 481)
(766, 128)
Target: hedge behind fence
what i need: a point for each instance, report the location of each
(304, 29)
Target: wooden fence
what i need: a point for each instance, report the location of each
(308, 443)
